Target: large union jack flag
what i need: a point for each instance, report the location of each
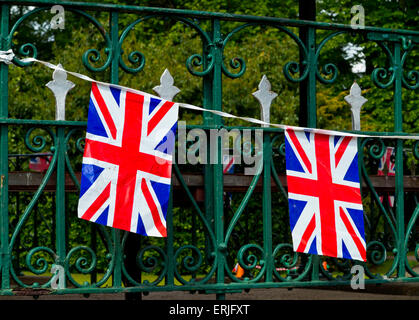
(326, 214)
(127, 161)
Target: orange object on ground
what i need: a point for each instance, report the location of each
(238, 270)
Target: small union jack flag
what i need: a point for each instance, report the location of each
(326, 213)
(127, 161)
(228, 168)
(228, 163)
(387, 164)
(39, 163)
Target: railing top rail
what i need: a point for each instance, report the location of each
(213, 15)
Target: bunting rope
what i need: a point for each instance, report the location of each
(7, 57)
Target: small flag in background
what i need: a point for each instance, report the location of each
(127, 161)
(386, 162)
(326, 213)
(39, 163)
(228, 163)
(228, 168)
(387, 166)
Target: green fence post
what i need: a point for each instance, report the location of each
(399, 190)
(312, 110)
(4, 167)
(307, 114)
(60, 238)
(267, 206)
(208, 119)
(308, 111)
(217, 168)
(170, 276)
(310, 107)
(114, 79)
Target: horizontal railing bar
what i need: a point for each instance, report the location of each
(10, 121)
(204, 287)
(27, 155)
(211, 15)
(59, 123)
(30, 181)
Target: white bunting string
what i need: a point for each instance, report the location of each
(7, 56)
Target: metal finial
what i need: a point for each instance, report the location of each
(60, 87)
(356, 101)
(265, 96)
(166, 90)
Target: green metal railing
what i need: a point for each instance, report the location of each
(109, 260)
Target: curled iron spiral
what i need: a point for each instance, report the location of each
(329, 69)
(91, 55)
(83, 266)
(39, 142)
(138, 59)
(196, 60)
(411, 80)
(250, 261)
(289, 260)
(27, 49)
(290, 68)
(192, 262)
(150, 263)
(41, 264)
(379, 74)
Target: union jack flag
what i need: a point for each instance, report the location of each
(387, 164)
(228, 168)
(326, 214)
(127, 161)
(39, 163)
(228, 163)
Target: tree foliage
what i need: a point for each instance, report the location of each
(377, 113)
